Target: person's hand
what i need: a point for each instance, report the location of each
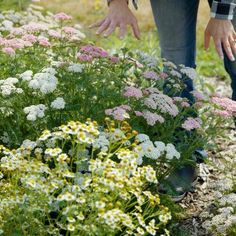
(223, 34)
(120, 16)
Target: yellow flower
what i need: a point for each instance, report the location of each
(80, 216)
(70, 219)
(140, 231)
(62, 158)
(71, 227)
(45, 135)
(53, 152)
(67, 197)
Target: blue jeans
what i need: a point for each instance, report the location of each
(176, 23)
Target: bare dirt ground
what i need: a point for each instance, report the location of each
(205, 207)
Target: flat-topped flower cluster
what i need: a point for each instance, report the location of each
(33, 29)
(81, 180)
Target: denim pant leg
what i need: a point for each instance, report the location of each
(230, 66)
(176, 25)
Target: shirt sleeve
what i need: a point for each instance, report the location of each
(223, 9)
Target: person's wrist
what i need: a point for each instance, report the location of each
(110, 2)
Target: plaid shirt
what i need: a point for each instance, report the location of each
(220, 9)
(223, 9)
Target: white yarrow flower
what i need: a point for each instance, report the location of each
(171, 152)
(58, 103)
(142, 138)
(160, 146)
(189, 72)
(35, 111)
(76, 68)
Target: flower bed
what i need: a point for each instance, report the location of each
(81, 178)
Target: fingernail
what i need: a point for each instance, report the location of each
(222, 57)
(232, 59)
(105, 35)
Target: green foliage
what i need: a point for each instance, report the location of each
(232, 230)
(13, 4)
(48, 191)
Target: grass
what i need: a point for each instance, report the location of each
(87, 12)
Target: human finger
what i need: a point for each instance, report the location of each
(218, 47)
(103, 27)
(234, 35)
(233, 44)
(136, 30)
(122, 31)
(110, 30)
(207, 39)
(96, 24)
(228, 50)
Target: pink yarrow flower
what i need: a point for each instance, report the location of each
(151, 75)
(225, 103)
(223, 114)
(93, 51)
(164, 103)
(54, 34)
(163, 75)
(34, 27)
(185, 104)
(114, 59)
(30, 38)
(131, 91)
(62, 16)
(198, 96)
(152, 118)
(9, 51)
(192, 123)
(150, 90)
(118, 113)
(138, 113)
(69, 30)
(43, 41)
(84, 57)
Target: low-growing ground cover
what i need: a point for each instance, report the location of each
(64, 171)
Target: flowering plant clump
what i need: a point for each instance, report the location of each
(51, 77)
(79, 180)
(32, 39)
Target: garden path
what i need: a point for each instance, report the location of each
(205, 206)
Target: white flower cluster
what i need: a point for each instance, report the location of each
(7, 86)
(6, 25)
(45, 81)
(171, 152)
(175, 73)
(154, 150)
(5, 138)
(58, 103)
(76, 68)
(28, 144)
(151, 61)
(27, 75)
(189, 72)
(101, 142)
(35, 111)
